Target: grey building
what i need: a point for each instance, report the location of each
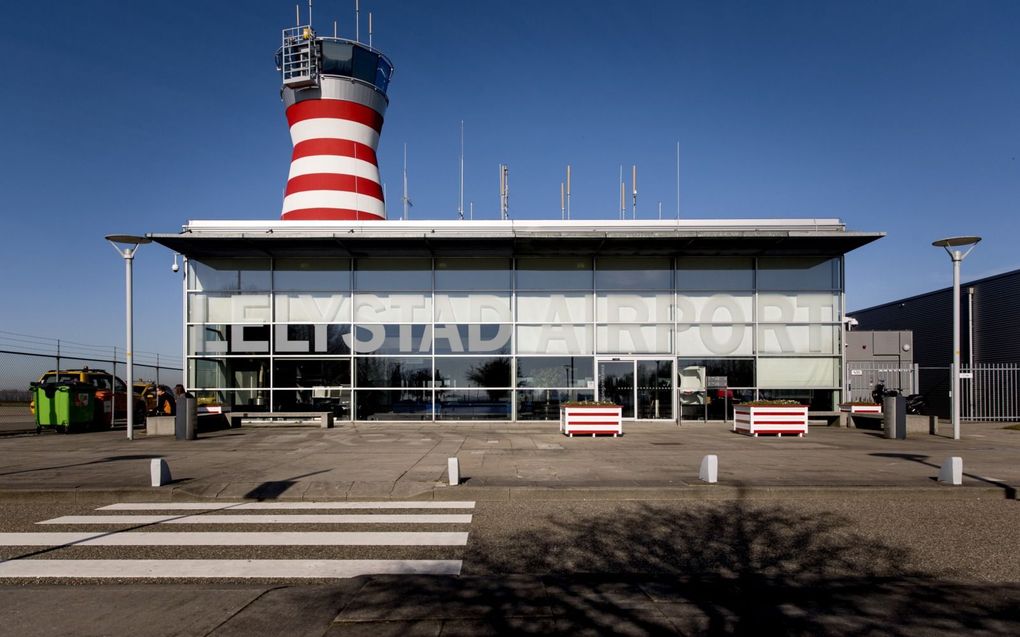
(989, 332)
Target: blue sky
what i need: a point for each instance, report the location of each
(134, 117)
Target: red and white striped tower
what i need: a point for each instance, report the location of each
(334, 91)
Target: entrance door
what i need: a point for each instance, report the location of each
(644, 387)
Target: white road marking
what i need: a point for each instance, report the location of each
(281, 506)
(240, 569)
(374, 518)
(203, 538)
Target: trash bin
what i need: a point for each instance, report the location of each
(894, 417)
(64, 406)
(186, 417)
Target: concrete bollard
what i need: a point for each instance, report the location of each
(709, 471)
(952, 471)
(159, 471)
(453, 468)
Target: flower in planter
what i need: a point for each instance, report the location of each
(591, 403)
(773, 403)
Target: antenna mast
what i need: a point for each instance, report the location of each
(405, 198)
(370, 29)
(357, 21)
(460, 201)
(568, 191)
(309, 12)
(623, 196)
(563, 210)
(633, 183)
(678, 180)
(504, 192)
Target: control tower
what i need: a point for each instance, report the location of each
(334, 92)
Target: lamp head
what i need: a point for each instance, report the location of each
(955, 242)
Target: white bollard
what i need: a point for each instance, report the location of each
(709, 471)
(159, 471)
(453, 468)
(952, 471)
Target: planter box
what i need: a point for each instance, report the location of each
(771, 419)
(591, 421)
(861, 409)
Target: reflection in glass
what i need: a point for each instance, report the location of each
(715, 273)
(229, 339)
(312, 339)
(479, 404)
(655, 389)
(228, 274)
(392, 339)
(554, 273)
(616, 384)
(228, 373)
(337, 401)
(815, 399)
(317, 372)
(789, 273)
(473, 274)
(380, 274)
(634, 273)
(544, 404)
(392, 405)
(555, 339)
(373, 371)
(312, 275)
(726, 372)
(470, 371)
(556, 371)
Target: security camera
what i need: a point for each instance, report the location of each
(175, 267)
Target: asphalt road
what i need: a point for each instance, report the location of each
(889, 565)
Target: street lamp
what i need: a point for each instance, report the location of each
(954, 246)
(126, 245)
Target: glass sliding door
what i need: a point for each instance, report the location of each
(644, 387)
(616, 383)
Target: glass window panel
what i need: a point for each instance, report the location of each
(634, 339)
(377, 274)
(324, 275)
(776, 273)
(473, 339)
(229, 308)
(471, 371)
(806, 307)
(337, 58)
(392, 339)
(714, 308)
(228, 373)
(315, 372)
(555, 339)
(378, 371)
(655, 389)
(213, 274)
(365, 64)
(228, 339)
(713, 340)
(715, 273)
(634, 273)
(381, 307)
(473, 307)
(312, 339)
(797, 372)
(728, 372)
(556, 371)
(235, 400)
(554, 273)
(544, 404)
(623, 307)
(392, 405)
(320, 399)
(815, 399)
(473, 274)
(554, 307)
(313, 307)
(478, 404)
(797, 339)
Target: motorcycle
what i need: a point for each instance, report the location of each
(915, 402)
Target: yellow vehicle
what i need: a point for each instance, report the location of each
(110, 396)
(145, 392)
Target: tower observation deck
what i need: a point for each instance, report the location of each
(334, 93)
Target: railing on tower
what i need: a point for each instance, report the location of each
(298, 61)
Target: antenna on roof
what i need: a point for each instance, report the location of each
(460, 201)
(357, 21)
(334, 29)
(678, 180)
(471, 207)
(406, 199)
(660, 211)
(568, 191)
(623, 196)
(309, 12)
(504, 192)
(563, 209)
(297, 15)
(633, 183)
(370, 29)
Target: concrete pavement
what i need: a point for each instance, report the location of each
(498, 462)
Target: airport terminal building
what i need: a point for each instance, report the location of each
(507, 320)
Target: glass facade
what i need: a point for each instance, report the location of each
(513, 338)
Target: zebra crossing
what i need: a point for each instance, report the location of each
(135, 525)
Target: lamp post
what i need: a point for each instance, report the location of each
(126, 245)
(955, 247)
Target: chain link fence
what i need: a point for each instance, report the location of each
(25, 358)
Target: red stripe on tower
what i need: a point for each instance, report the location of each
(334, 172)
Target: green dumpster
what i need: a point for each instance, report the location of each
(64, 406)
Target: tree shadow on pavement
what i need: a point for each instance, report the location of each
(692, 568)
